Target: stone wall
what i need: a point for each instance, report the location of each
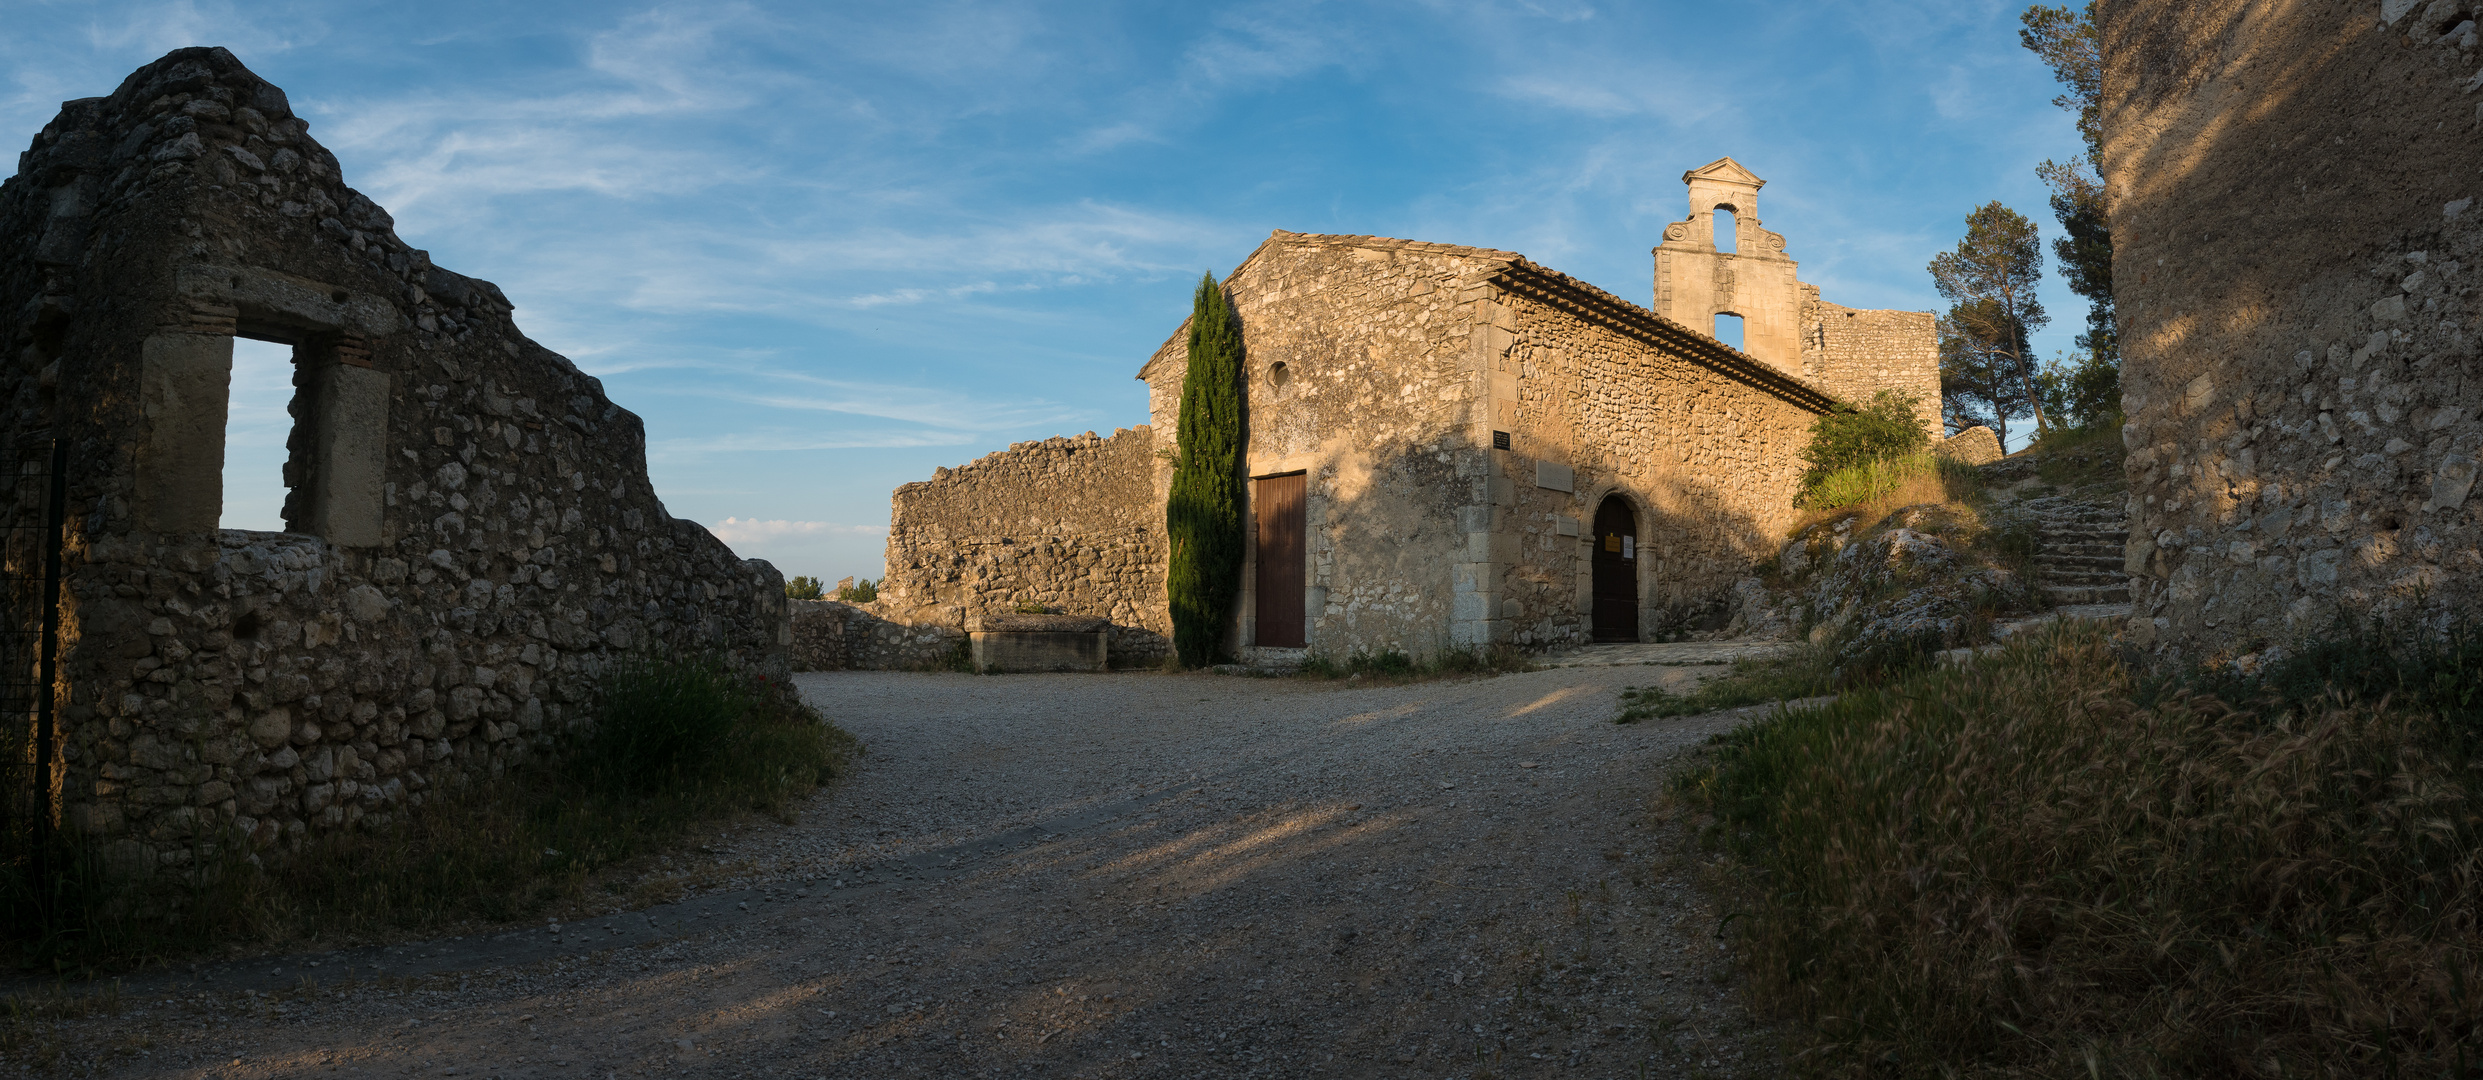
(1382, 368)
(471, 537)
(1070, 524)
(830, 635)
(1620, 404)
(1855, 353)
(2295, 239)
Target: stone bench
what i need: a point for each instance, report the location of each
(1004, 643)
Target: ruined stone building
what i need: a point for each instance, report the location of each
(2295, 239)
(470, 535)
(1448, 447)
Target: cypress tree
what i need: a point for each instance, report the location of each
(1203, 515)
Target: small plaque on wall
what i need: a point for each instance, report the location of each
(1564, 526)
(1555, 477)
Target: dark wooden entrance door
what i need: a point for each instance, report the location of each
(1616, 571)
(1278, 501)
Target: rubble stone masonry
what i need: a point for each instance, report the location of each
(471, 538)
(2296, 247)
(1855, 353)
(1068, 524)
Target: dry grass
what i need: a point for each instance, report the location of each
(1870, 493)
(679, 745)
(2012, 868)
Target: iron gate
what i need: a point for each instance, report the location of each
(31, 518)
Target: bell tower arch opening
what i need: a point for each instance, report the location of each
(1728, 329)
(1724, 227)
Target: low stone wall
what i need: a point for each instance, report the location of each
(830, 635)
(1070, 524)
(1974, 446)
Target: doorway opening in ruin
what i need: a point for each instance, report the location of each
(1616, 571)
(1278, 501)
(1728, 328)
(1727, 238)
(258, 423)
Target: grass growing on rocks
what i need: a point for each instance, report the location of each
(1809, 670)
(2014, 867)
(677, 744)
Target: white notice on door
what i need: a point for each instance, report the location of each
(1629, 547)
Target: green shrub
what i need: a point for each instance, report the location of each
(2013, 867)
(661, 723)
(805, 588)
(1203, 513)
(1884, 428)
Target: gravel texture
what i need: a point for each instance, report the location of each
(1130, 875)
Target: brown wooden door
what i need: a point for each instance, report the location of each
(1616, 571)
(1278, 501)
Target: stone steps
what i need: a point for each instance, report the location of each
(2078, 558)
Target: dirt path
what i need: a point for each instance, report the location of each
(1053, 876)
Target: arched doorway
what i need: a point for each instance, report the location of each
(1616, 571)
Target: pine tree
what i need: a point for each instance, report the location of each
(2065, 38)
(1203, 516)
(1990, 279)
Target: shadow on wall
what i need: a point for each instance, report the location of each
(1386, 550)
(2290, 191)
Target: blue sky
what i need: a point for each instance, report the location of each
(825, 247)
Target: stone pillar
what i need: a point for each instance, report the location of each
(185, 383)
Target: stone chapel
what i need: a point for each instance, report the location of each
(1448, 447)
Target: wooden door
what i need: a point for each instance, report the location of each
(1616, 571)
(1278, 501)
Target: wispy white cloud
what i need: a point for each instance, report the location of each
(776, 443)
(156, 29)
(737, 530)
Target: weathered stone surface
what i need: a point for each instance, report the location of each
(1069, 524)
(2290, 190)
(1975, 446)
(830, 635)
(471, 534)
(1000, 651)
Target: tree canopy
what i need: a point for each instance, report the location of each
(1990, 281)
(2086, 387)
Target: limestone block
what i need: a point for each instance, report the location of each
(997, 651)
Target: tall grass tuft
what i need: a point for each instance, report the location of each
(677, 743)
(1899, 481)
(2012, 867)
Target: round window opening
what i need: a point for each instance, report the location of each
(1278, 374)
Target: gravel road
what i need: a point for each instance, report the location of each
(1130, 875)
